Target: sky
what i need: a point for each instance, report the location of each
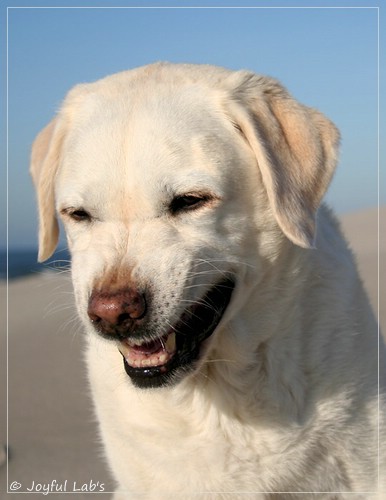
(326, 57)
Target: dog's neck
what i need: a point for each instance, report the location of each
(255, 376)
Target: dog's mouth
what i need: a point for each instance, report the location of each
(162, 361)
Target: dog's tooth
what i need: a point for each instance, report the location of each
(129, 361)
(171, 343)
(162, 357)
(156, 360)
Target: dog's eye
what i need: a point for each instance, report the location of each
(187, 202)
(78, 215)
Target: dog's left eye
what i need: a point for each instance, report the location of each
(188, 202)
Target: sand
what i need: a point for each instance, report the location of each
(53, 437)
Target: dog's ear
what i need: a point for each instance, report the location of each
(296, 149)
(45, 158)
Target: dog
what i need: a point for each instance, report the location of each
(231, 348)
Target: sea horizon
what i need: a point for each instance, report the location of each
(24, 261)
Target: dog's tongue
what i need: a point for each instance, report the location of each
(148, 347)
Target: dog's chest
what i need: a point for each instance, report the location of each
(185, 460)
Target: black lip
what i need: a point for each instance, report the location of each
(196, 324)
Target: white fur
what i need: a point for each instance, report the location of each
(285, 398)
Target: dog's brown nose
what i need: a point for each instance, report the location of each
(116, 313)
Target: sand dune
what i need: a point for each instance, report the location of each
(52, 433)
(361, 230)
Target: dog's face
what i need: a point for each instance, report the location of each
(153, 198)
(171, 182)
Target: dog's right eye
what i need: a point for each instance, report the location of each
(78, 215)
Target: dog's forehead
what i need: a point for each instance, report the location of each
(134, 143)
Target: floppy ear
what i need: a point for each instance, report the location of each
(296, 150)
(44, 164)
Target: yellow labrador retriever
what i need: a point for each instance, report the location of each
(232, 352)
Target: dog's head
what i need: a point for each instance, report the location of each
(172, 181)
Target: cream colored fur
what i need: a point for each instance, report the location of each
(285, 398)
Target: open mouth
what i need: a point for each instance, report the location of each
(160, 362)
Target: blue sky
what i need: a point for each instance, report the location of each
(327, 58)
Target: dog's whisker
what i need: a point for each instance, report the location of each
(203, 375)
(198, 285)
(69, 325)
(220, 360)
(228, 261)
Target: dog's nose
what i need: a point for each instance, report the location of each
(117, 313)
